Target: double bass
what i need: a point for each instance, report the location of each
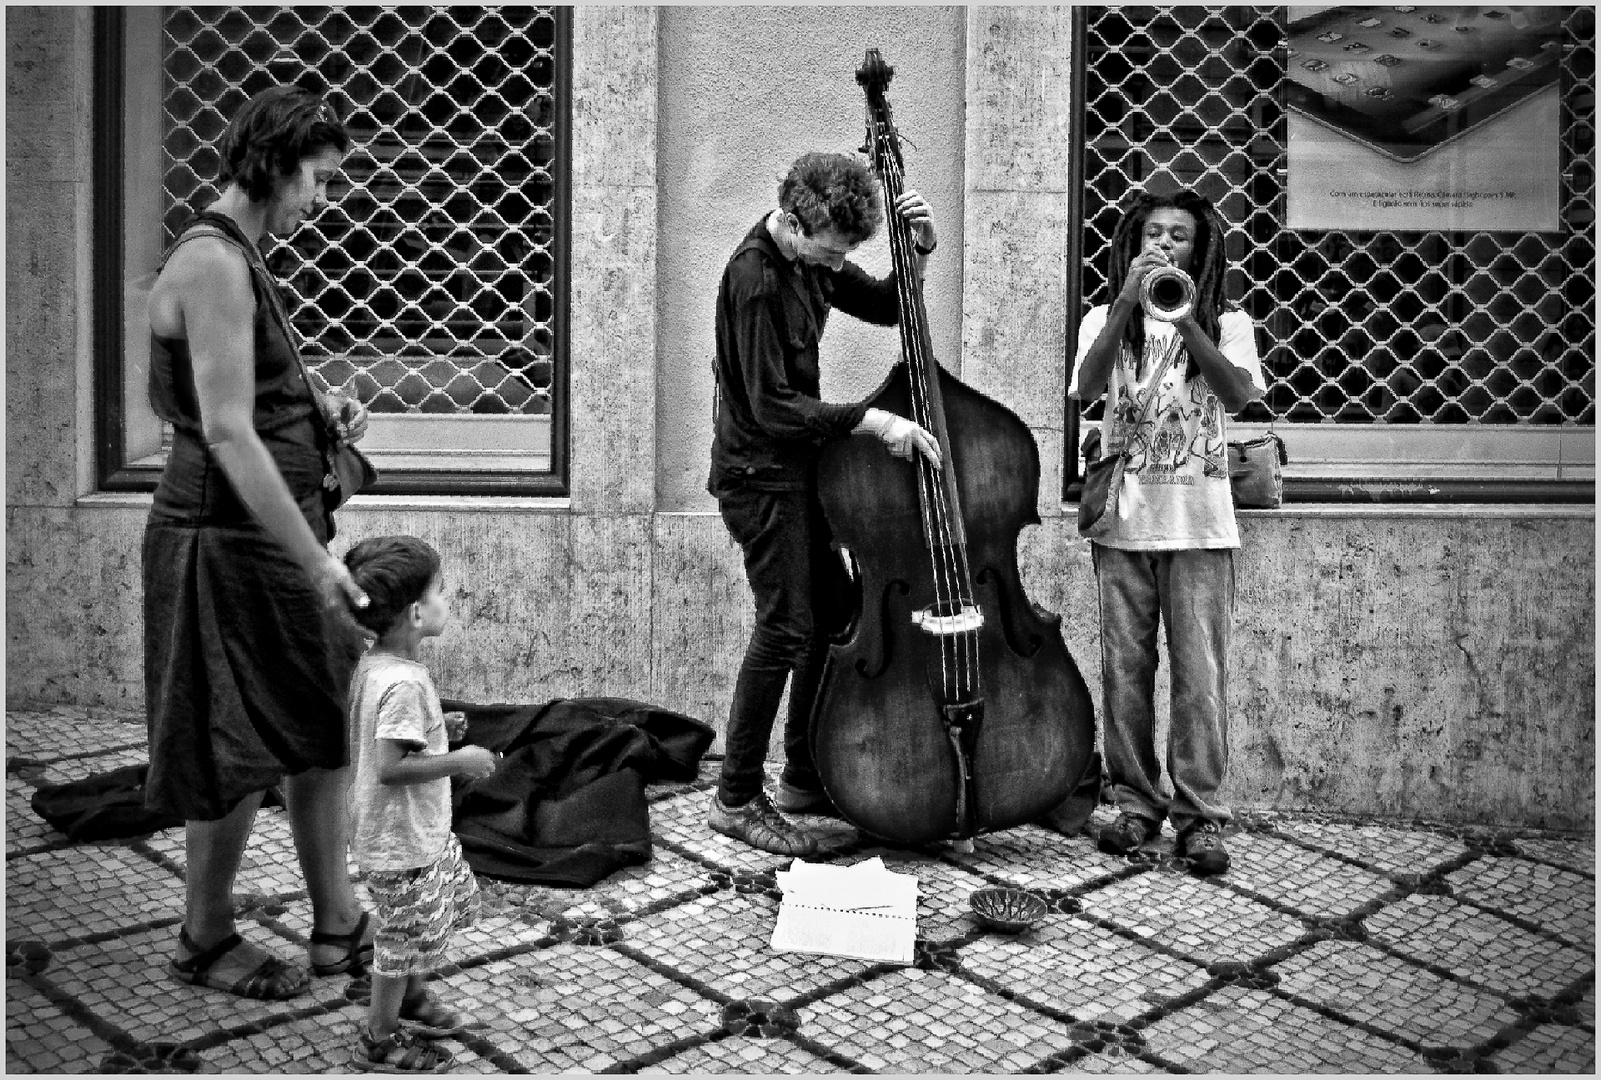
(951, 706)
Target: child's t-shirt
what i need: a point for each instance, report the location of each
(396, 826)
(1176, 493)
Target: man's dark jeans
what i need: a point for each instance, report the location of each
(803, 596)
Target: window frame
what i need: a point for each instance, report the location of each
(113, 471)
(1344, 463)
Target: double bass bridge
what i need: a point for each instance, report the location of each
(944, 620)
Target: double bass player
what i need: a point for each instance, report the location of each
(778, 289)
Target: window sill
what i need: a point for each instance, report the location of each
(1303, 511)
(490, 504)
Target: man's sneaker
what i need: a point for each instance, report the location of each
(761, 826)
(1127, 834)
(1202, 844)
(799, 800)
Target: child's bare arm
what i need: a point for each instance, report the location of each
(399, 764)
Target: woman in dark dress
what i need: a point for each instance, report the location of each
(249, 644)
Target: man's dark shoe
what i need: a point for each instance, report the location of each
(798, 800)
(1127, 834)
(761, 826)
(1202, 845)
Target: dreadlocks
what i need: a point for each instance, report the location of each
(1206, 263)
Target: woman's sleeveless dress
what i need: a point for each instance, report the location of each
(246, 670)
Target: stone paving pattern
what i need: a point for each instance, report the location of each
(1331, 946)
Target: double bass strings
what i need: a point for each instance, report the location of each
(936, 526)
(958, 651)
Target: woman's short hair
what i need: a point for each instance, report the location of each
(271, 134)
(832, 191)
(394, 572)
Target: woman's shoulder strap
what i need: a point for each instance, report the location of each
(209, 223)
(207, 226)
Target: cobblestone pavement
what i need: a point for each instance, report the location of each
(1331, 946)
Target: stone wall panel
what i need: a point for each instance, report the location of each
(74, 615)
(612, 351)
(1018, 98)
(542, 604)
(42, 314)
(703, 615)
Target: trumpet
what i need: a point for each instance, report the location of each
(1167, 294)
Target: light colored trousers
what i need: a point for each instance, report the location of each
(1192, 592)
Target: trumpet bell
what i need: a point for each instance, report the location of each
(1167, 294)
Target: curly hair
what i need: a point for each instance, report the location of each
(1207, 266)
(394, 572)
(271, 134)
(832, 191)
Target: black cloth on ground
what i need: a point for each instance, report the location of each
(566, 807)
(567, 804)
(108, 806)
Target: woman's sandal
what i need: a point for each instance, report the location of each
(430, 1017)
(271, 980)
(357, 951)
(401, 1052)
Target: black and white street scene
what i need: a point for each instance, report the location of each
(769, 540)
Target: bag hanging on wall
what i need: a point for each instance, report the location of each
(1256, 472)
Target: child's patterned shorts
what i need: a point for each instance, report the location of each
(418, 909)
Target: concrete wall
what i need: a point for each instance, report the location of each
(744, 91)
(1432, 662)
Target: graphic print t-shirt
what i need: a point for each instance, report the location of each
(1176, 483)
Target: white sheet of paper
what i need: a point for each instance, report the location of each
(861, 911)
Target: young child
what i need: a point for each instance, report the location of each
(400, 805)
(1169, 557)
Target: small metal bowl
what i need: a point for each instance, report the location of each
(1010, 911)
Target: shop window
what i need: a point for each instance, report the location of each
(1457, 365)
(435, 286)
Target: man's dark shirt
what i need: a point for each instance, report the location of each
(770, 423)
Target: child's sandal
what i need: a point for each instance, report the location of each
(427, 1015)
(400, 1052)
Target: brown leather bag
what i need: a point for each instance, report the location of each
(1256, 472)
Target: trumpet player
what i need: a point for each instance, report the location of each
(1172, 360)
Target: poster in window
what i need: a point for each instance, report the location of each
(1420, 117)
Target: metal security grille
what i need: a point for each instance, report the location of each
(1385, 327)
(431, 284)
